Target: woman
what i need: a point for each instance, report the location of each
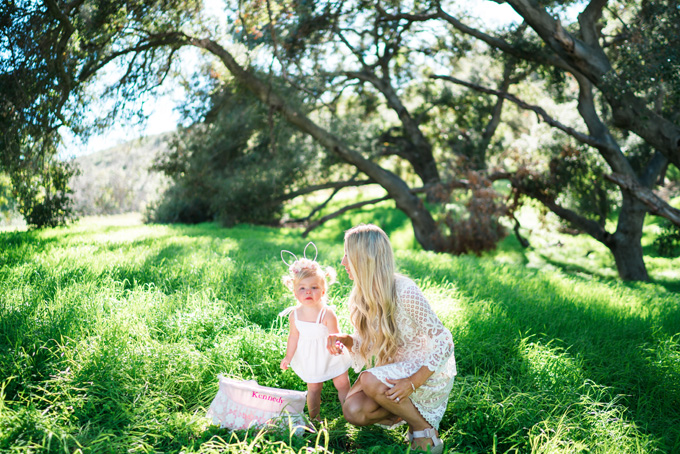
(408, 351)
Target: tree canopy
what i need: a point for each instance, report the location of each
(414, 97)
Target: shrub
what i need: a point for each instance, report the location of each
(477, 228)
(45, 200)
(667, 243)
(235, 167)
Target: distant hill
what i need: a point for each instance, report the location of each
(118, 179)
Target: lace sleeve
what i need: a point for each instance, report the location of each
(440, 341)
(357, 362)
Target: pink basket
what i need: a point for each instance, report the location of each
(243, 404)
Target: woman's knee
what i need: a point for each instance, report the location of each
(354, 412)
(371, 385)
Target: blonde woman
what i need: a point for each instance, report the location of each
(407, 351)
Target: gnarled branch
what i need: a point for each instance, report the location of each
(655, 204)
(341, 211)
(584, 138)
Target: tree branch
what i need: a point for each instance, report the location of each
(584, 138)
(586, 58)
(610, 149)
(152, 41)
(629, 110)
(424, 226)
(330, 185)
(500, 44)
(495, 120)
(420, 154)
(343, 210)
(491, 41)
(336, 189)
(592, 228)
(655, 204)
(588, 20)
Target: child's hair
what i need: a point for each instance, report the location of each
(304, 268)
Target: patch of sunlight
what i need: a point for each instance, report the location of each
(118, 220)
(672, 275)
(404, 238)
(444, 301)
(551, 367)
(129, 235)
(510, 258)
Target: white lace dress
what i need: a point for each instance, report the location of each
(422, 341)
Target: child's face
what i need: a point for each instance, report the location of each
(309, 291)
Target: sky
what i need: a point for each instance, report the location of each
(163, 117)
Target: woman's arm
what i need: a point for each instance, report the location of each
(440, 341)
(404, 387)
(291, 345)
(336, 342)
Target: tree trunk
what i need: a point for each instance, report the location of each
(625, 244)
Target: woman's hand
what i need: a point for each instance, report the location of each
(337, 342)
(403, 388)
(285, 362)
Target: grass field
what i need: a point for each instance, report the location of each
(112, 334)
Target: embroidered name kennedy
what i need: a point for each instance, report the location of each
(266, 397)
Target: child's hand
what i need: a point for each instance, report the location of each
(336, 343)
(284, 363)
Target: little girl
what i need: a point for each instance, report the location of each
(311, 321)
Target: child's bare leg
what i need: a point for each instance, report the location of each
(314, 400)
(341, 383)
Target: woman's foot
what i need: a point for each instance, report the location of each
(391, 423)
(422, 439)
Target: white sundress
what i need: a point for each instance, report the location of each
(422, 341)
(312, 362)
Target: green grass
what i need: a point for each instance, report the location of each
(112, 335)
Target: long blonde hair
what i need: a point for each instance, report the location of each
(372, 302)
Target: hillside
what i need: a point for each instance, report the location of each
(118, 179)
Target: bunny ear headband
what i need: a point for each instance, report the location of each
(304, 255)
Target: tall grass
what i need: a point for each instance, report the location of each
(112, 335)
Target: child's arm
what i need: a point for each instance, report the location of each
(331, 322)
(336, 341)
(291, 346)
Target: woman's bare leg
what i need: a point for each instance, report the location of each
(314, 400)
(369, 405)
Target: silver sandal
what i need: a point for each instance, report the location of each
(437, 444)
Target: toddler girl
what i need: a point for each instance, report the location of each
(311, 321)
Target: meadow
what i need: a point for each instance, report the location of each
(113, 332)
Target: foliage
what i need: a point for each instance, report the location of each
(45, 200)
(33, 89)
(235, 167)
(387, 65)
(577, 179)
(113, 334)
(667, 243)
(8, 203)
(49, 53)
(646, 47)
(474, 226)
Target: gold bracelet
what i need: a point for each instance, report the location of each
(414, 388)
